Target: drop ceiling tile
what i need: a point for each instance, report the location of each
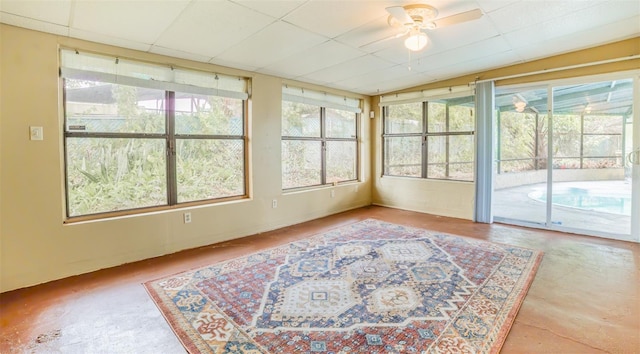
(100, 38)
(373, 80)
(404, 83)
(276, 42)
(178, 54)
(448, 8)
(317, 58)
(397, 53)
(277, 8)
(371, 36)
(460, 34)
(619, 30)
(355, 67)
(527, 13)
(53, 12)
(475, 66)
(233, 64)
(333, 18)
(488, 6)
(210, 27)
(36, 25)
(463, 54)
(140, 21)
(583, 20)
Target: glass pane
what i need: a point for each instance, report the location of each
(602, 145)
(602, 124)
(461, 156)
(437, 157)
(460, 111)
(522, 148)
(462, 115)
(437, 117)
(208, 115)
(341, 161)
(519, 136)
(403, 118)
(590, 192)
(340, 124)
(114, 174)
(403, 156)
(109, 108)
(301, 163)
(299, 119)
(566, 135)
(209, 169)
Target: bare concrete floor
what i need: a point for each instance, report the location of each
(584, 298)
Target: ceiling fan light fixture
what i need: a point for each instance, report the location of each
(416, 41)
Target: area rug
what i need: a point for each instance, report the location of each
(369, 287)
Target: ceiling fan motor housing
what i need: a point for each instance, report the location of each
(421, 14)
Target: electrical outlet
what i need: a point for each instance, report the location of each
(355, 190)
(274, 203)
(333, 193)
(186, 217)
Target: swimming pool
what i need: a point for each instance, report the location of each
(581, 198)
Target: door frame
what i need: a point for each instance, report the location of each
(634, 235)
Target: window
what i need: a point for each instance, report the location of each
(319, 139)
(429, 139)
(139, 135)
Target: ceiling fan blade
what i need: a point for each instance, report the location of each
(399, 13)
(458, 18)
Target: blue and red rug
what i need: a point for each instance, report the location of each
(370, 287)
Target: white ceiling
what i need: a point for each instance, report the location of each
(325, 42)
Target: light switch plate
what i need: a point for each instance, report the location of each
(36, 133)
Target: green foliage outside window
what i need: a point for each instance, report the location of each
(319, 145)
(116, 147)
(430, 139)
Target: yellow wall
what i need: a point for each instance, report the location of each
(35, 245)
(456, 199)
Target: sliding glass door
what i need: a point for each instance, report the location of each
(567, 157)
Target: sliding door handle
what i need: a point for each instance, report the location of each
(634, 157)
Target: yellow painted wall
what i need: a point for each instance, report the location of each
(456, 199)
(35, 245)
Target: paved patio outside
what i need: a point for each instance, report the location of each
(515, 203)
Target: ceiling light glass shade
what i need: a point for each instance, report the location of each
(416, 41)
(520, 106)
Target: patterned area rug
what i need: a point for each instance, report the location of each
(370, 287)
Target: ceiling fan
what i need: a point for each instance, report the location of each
(416, 18)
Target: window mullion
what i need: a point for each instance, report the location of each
(170, 114)
(446, 151)
(323, 157)
(425, 144)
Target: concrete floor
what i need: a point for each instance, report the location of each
(584, 298)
